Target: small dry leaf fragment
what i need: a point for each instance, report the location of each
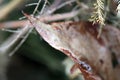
(78, 40)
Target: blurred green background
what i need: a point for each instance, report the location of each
(35, 59)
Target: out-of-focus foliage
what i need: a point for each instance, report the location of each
(35, 60)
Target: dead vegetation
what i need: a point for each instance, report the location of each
(93, 46)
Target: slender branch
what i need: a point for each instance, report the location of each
(36, 7)
(13, 40)
(16, 40)
(13, 24)
(22, 41)
(49, 18)
(43, 7)
(60, 6)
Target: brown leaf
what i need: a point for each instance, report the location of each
(78, 40)
(112, 36)
(117, 72)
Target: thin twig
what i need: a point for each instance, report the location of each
(60, 6)
(32, 4)
(28, 32)
(43, 7)
(11, 47)
(48, 18)
(11, 31)
(21, 42)
(13, 24)
(36, 7)
(13, 40)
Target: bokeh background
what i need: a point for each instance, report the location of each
(35, 59)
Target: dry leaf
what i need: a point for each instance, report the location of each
(112, 35)
(78, 40)
(117, 72)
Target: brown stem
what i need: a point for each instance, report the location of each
(56, 17)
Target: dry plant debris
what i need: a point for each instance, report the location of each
(78, 40)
